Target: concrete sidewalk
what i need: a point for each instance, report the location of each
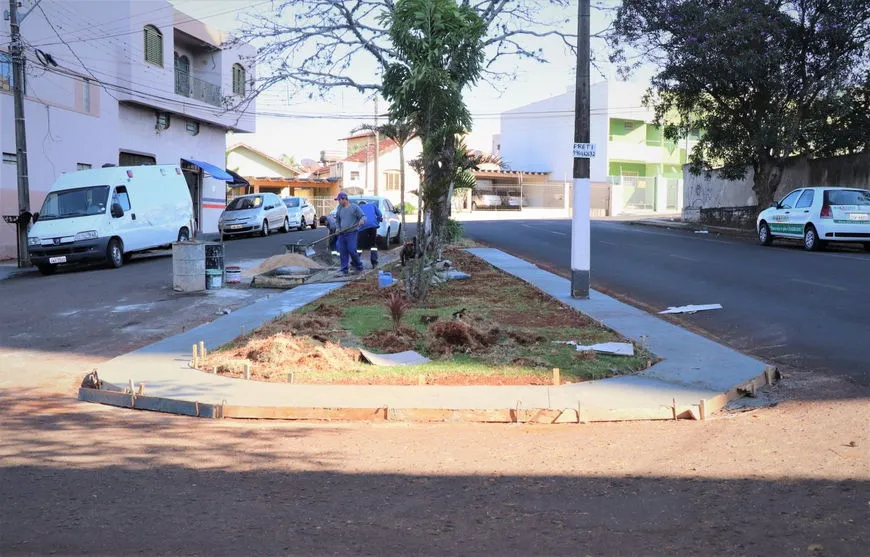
(697, 376)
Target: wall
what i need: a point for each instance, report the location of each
(733, 200)
(252, 164)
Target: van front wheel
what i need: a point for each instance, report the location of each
(115, 254)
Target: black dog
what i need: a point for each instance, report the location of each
(409, 251)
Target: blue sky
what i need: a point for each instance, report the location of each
(304, 138)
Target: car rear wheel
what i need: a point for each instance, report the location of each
(265, 230)
(302, 224)
(764, 236)
(811, 239)
(115, 254)
(286, 227)
(314, 222)
(866, 246)
(47, 269)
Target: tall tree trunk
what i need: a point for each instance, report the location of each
(765, 182)
(402, 190)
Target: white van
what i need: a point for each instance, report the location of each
(109, 213)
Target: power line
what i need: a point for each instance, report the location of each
(50, 24)
(125, 33)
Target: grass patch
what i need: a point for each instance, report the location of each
(491, 329)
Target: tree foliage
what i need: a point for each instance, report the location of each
(763, 80)
(438, 53)
(322, 44)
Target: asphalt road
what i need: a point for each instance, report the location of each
(798, 310)
(96, 312)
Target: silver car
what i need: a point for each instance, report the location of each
(257, 213)
(300, 212)
(390, 230)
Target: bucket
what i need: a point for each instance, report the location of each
(214, 256)
(234, 274)
(213, 279)
(385, 279)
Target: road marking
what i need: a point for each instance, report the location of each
(559, 233)
(539, 229)
(607, 243)
(684, 257)
(820, 284)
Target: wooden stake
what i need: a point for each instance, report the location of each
(421, 379)
(557, 380)
(702, 409)
(132, 390)
(291, 377)
(141, 389)
(247, 371)
(194, 363)
(202, 349)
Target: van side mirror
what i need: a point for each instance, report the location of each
(117, 211)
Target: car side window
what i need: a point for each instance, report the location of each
(389, 206)
(790, 200)
(121, 198)
(806, 200)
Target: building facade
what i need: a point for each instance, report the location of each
(640, 169)
(125, 83)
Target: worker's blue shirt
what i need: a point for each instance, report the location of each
(373, 215)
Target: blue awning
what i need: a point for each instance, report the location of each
(215, 171)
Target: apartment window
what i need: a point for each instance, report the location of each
(162, 120)
(192, 128)
(10, 158)
(354, 174)
(182, 75)
(5, 72)
(153, 45)
(83, 166)
(238, 79)
(392, 180)
(86, 95)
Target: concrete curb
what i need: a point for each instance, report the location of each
(697, 378)
(679, 225)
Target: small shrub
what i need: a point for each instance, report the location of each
(453, 231)
(397, 305)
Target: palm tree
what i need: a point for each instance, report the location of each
(401, 132)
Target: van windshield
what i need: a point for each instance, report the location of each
(77, 202)
(245, 203)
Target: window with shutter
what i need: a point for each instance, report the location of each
(153, 45)
(238, 79)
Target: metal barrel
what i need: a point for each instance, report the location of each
(188, 266)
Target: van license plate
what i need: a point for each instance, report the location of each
(61, 259)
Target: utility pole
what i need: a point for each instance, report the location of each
(377, 145)
(580, 241)
(18, 58)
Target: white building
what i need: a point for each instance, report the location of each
(122, 82)
(357, 169)
(638, 168)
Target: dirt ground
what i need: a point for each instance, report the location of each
(792, 479)
(491, 329)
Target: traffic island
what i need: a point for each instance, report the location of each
(695, 378)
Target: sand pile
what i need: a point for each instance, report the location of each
(285, 260)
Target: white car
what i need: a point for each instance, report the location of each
(818, 216)
(390, 229)
(256, 213)
(300, 212)
(481, 200)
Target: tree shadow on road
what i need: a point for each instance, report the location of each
(85, 479)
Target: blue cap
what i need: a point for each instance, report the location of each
(341, 195)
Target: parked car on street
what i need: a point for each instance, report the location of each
(513, 199)
(483, 200)
(391, 228)
(818, 216)
(300, 212)
(256, 213)
(107, 214)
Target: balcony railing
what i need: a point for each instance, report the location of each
(195, 88)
